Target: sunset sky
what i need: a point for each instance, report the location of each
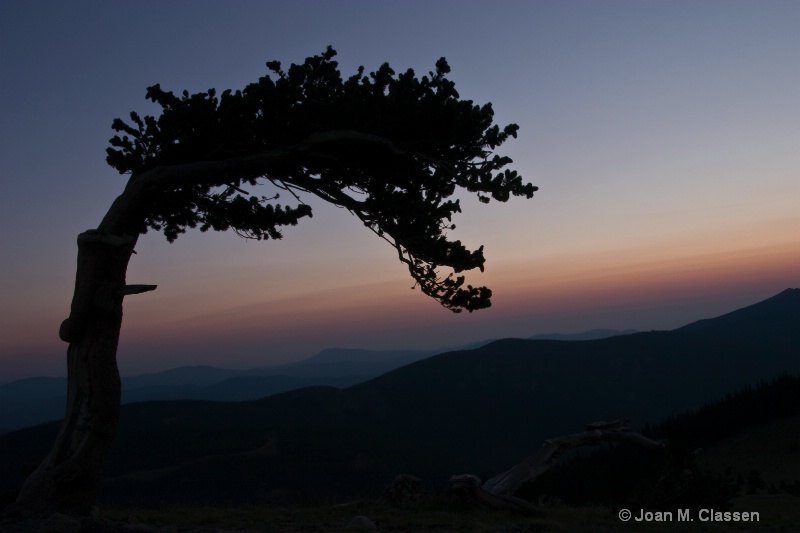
(664, 137)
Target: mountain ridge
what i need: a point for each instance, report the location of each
(781, 309)
(477, 411)
(38, 399)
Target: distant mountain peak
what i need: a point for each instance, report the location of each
(591, 335)
(774, 312)
(339, 355)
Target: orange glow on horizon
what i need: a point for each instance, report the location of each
(556, 285)
(643, 289)
(609, 279)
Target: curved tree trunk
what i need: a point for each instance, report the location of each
(69, 478)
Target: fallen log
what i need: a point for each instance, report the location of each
(497, 492)
(469, 487)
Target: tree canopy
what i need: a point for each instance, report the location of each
(390, 148)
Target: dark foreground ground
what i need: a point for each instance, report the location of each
(436, 513)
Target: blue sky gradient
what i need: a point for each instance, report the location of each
(664, 137)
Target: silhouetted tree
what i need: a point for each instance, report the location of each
(390, 148)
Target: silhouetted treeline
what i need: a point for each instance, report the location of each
(750, 406)
(627, 475)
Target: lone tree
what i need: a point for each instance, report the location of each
(390, 148)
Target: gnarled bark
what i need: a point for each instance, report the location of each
(68, 479)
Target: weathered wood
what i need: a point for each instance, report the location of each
(497, 492)
(68, 479)
(535, 465)
(469, 486)
(614, 424)
(137, 289)
(96, 236)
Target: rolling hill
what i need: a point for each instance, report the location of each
(30, 401)
(472, 411)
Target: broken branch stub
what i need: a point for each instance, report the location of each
(137, 289)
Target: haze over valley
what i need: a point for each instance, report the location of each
(450, 413)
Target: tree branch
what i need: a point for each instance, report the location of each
(137, 289)
(222, 172)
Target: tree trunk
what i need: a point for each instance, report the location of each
(69, 478)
